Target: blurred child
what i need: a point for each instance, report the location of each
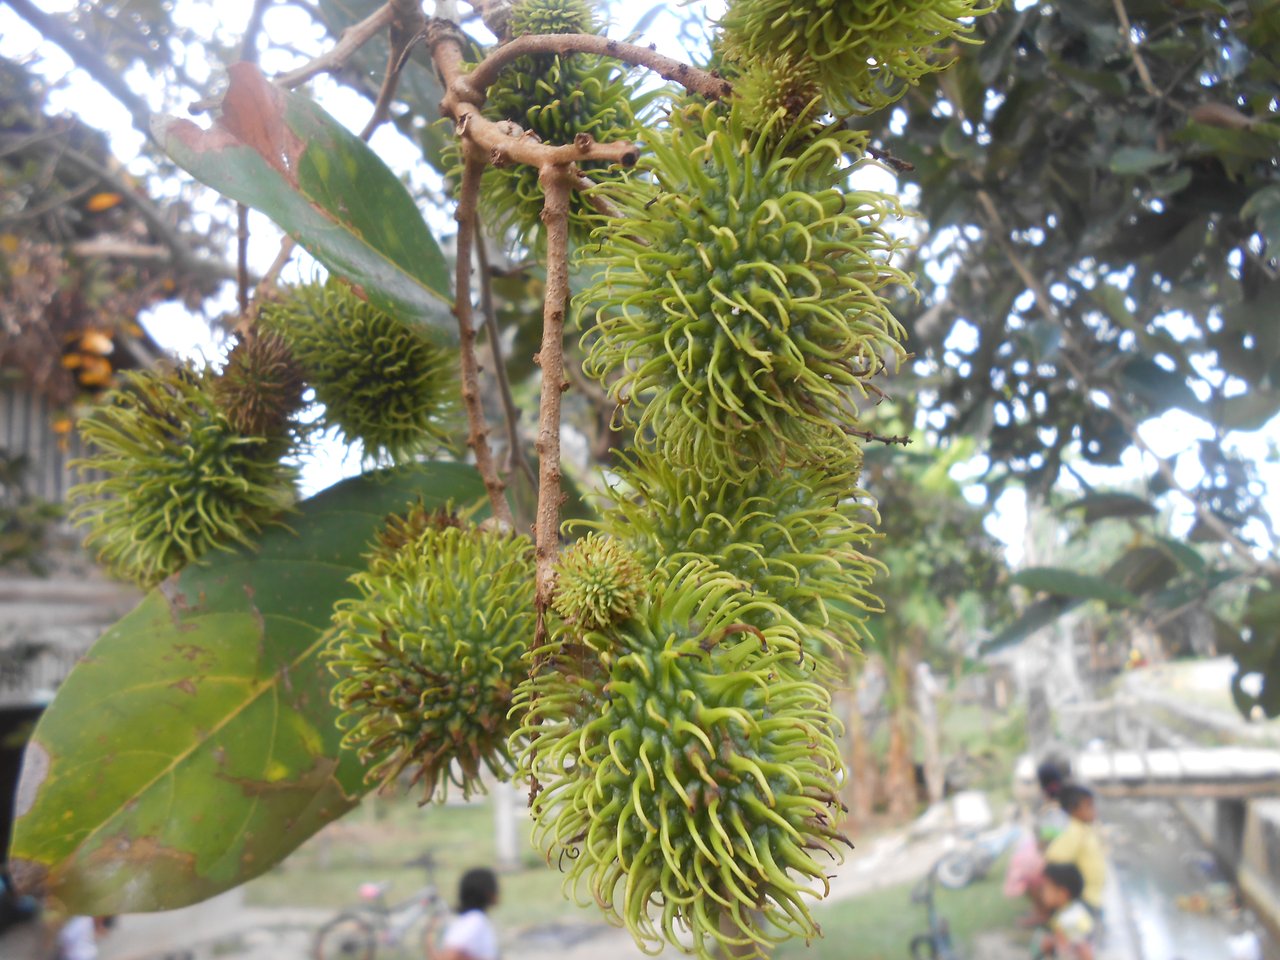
(1080, 845)
(1070, 927)
(1048, 821)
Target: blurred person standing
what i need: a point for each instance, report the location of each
(471, 934)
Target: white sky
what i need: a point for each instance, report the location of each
(1172, 435)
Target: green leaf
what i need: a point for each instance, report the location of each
(1103, 506)
(1060, 582)
(1160, 388)
(280, 153)
(1135, 160)
(1036, 617)
(1264, 207)
(195, 745)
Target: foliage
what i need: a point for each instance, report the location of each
(1135, 211)
(209, 697)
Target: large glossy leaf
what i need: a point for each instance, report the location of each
(1036, 617)
(1061, 582)
(195, 746)
(1101, 506)
(280, 153)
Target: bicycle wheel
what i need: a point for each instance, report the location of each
(923, 948)
(955, 870)
(347, 936)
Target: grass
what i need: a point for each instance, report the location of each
(373, 843)
(880, 925)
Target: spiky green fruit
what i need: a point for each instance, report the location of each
(799, 536)
(428, 656)
(865, 52)
(381, 380)
(401, 530)
(688, 777)
(260, 388)
(779, 93)
(175, 478)
(741, 298)
(598, 583)
(556, 98)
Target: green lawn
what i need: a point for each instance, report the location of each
(373, 843)
(880, 925)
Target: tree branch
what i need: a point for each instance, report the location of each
(556, 182)
(1141, 65)
(477, 438)
(88, 58)
(1116, 408)
(506, 142)
(335, 58)
(183, 257)
(691, 78)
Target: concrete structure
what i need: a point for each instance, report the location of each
(1221, 773)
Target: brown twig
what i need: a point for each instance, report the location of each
(996, 225)
(335, 58)
(511, 413)
(1139, 64)
(505, 142)
(869, 436)
(556, 182)
(691, 78)
(889, 160)
(478, 432)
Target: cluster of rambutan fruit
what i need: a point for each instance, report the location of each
(676, 724)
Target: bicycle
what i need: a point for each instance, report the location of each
(974, 860)
(357, 933)
(936, 944)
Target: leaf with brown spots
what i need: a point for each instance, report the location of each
(281, 154)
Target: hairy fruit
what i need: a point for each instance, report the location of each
(740, 302)
(381, 380)
(688, 780)
(174, 477)
(428, 656)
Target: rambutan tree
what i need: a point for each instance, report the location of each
(662, 682)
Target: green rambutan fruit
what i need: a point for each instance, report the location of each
(382, 381)
(260, 388)
(864, 52)
(400, 530)
(173, 477)
(598, 583)
(688, 777)
(428, 656)
(799, 536)
(741, 303)
(555, 98)
(779, 93)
